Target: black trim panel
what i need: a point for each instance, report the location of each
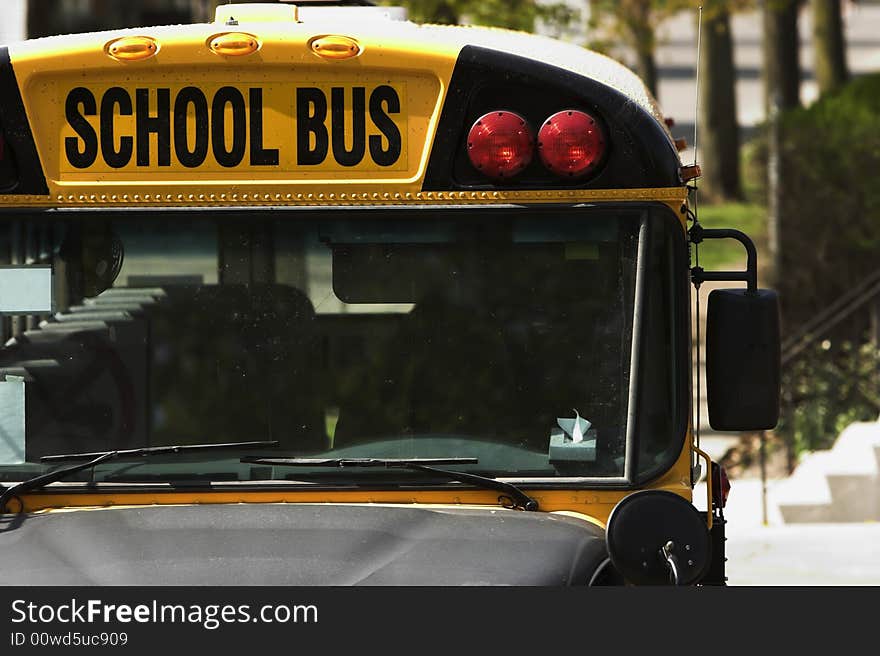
(677, 354)
(18, 135)
(640, 152)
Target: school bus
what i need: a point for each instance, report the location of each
(382, 303)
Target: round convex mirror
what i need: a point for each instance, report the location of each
(93, 255)
(645, 522)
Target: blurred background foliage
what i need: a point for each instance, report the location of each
(831, 386)
(512, 14)
(830, 211)
(829, 156)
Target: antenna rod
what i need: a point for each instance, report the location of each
(697, 96)
(698, 404)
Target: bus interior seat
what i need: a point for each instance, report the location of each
(258, 347)
(445, 371)
(79, 392)
(187, 364)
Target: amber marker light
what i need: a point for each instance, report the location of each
(234, 44)
(132, 48)
(335, 47)
(689, 173)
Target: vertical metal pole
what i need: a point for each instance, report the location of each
(31, 254)
(16, 256)
(874, 308)
(875, 322)
(774, 189)
(774, 202)
(6, 258)
(764, 521)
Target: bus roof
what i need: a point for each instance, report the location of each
(381, 30)
(421, 59)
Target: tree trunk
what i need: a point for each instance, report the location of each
(40, 19)
(202, 11)
(112, 15)
(718, 128)
(646, 67)
(781, 92)
(829, 45)
(636, 16)
(781, 61)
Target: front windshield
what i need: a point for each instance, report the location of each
(504, 335)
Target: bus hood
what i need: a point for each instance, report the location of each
(306, 544)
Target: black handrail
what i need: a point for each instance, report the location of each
(844, 307)
(698, 234)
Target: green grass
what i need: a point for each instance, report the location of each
(724, 253)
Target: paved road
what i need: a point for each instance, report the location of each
(804, 554)
(793, 554)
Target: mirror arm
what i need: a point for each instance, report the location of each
(698, 233)
(667, 553)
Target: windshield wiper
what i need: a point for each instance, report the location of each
(516, 497)
(97, 457)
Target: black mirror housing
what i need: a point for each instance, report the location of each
(743, 359)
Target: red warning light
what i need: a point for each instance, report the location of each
(500, 144)
(571, 143)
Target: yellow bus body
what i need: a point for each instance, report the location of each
(417, 59)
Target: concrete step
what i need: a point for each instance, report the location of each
(854, 497)
(841, 484)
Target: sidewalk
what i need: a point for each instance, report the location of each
(793, 554)
(804, 554)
